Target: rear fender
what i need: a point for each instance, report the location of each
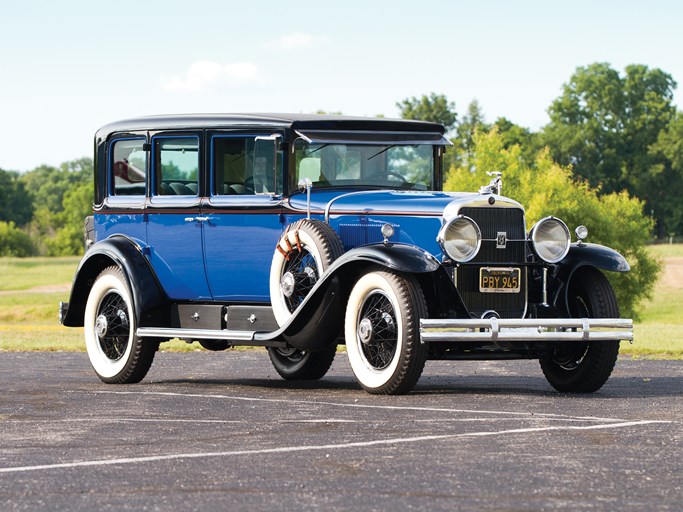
(150, 302)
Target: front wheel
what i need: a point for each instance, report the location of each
(295, 364)
(382, 332)
(116, 353)
(585, 367)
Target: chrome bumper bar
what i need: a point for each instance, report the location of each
(527, 329)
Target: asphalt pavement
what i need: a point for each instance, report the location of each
(222, 431)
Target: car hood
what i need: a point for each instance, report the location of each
(380, 202)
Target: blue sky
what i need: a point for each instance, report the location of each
(68, 67)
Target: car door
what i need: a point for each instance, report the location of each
(244, 214)
(175, 222)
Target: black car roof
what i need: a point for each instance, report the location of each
(292, 121)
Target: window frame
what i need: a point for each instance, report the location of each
(125, 200)
(252, 135)
(155, 164)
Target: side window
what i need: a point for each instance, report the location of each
(128, 167)
(177, 166)
(246, 165)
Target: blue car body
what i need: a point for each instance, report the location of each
(195, 210)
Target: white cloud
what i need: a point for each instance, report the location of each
(204, 74)
(296, 40)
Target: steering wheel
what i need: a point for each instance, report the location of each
(387, 173)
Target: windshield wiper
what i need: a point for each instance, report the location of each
(317, 149)
(382, 151)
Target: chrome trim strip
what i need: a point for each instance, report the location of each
(328, 206)
(527, 329)
(195, 334)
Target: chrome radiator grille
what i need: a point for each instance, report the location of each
(491, 222)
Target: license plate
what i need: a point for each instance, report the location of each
(499, 280)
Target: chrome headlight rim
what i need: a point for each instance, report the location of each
(536, 232)
(443, 241)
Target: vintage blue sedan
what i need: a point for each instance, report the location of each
(302, 232)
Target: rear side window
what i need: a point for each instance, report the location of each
(246, 165)
(177, 166)
(129, 167)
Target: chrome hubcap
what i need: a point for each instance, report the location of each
(287, 284)
(101, 326)
(365, 331)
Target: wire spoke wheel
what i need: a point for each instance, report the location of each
(584, 367)
(116, 353)
(381, 328)
(377, 330)
(300, 275)
(112, 326)
(303, 254)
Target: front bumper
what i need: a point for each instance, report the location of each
(528, 329)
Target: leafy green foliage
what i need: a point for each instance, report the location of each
(13, 204)
(50, 203)
(14, 241)
(604, 124)
(668, 175)
(435, 108)
(547, 188)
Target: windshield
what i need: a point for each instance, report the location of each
(382, 165)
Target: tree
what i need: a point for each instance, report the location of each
(603, 125)
(68, 238)
(14, 241)
(471, 123)
(547, 188)
(512, 134)
(435, 108)
(47, 185)
(13, 204)
(667, 176)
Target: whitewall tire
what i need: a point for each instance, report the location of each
(116, 354)
(381, 328)
(303, 254)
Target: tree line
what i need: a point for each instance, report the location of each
(618, 132)
(42, 211)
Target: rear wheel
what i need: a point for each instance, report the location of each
(116, 353)
(585, 367)
(295, 364)
(382, 332)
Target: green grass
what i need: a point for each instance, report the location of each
(660, 332)
(31, 289)
(26, 273)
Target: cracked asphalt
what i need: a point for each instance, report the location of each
(221, 431)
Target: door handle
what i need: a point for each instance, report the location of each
(197, 219)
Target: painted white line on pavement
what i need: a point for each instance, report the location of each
(361, 406)
(292, 449)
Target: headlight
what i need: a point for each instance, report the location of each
(551, 239)
(460, 238)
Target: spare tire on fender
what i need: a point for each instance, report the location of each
(303, 254)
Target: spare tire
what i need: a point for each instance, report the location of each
(303, 254)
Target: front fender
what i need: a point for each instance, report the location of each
(594, 255)
(148, 297)
(584, 255)
(323, 309)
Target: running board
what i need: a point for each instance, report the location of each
(235, 337)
